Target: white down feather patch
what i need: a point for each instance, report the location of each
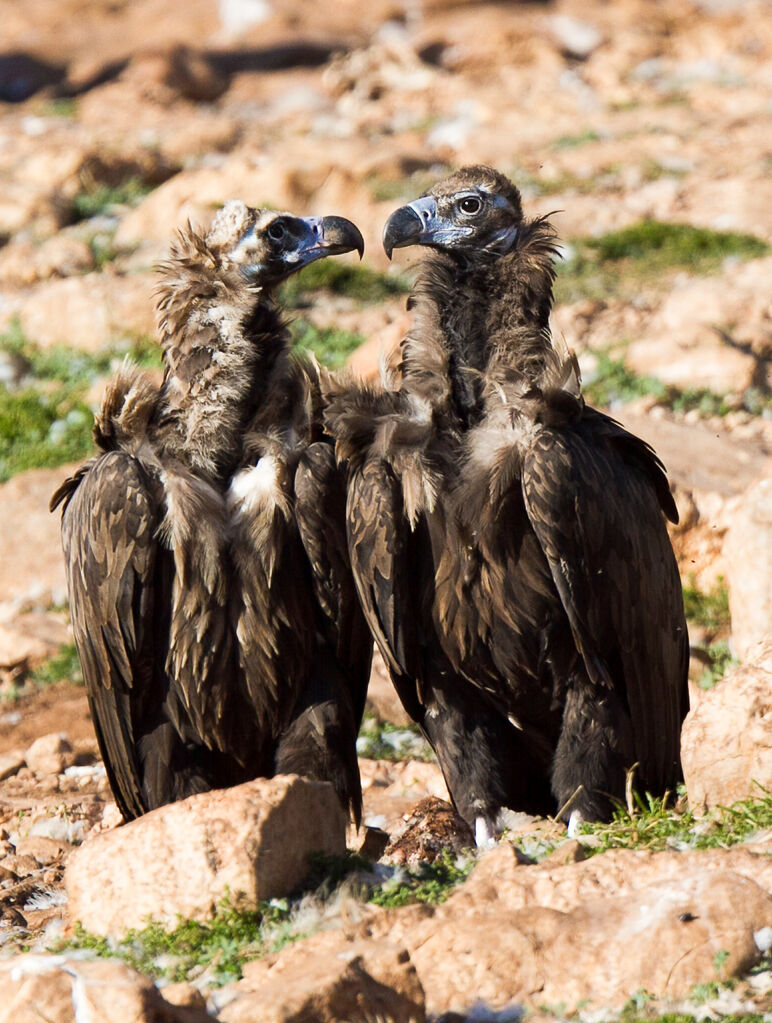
(252, 488)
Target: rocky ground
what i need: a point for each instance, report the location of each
(647, 127)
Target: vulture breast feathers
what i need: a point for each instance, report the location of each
(508, 542)
(212, 603)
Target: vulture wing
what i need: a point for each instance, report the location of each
(595, 496)
(108, 534)
(320, 510)
(383, 560)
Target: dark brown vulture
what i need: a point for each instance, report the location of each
(507, 541)
(212, 605)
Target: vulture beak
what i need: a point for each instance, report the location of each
(328, 236)
(418, 223)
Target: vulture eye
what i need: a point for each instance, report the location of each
(470, 204)
(276, 231)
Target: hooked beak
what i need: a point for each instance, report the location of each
(328, 236)
(418, 223)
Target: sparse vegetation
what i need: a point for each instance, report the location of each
(357, 282)
(711, 609)
(720, 662)
(431, 883)
(385, 189)
(380, 740)
(582, 138)
(62, 667)
(220, 947)
(330, 346)
(663, 245)
(613, 382)
(655, 825)
(44, 418)
(97, 198)
(619, 262)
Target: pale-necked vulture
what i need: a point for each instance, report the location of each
(212, 604)
(507, 541)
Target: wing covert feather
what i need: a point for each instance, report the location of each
(320, 511)
(598, 519)
(108, 536)
(379, 544)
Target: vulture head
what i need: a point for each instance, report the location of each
(473, 214)
(268, 246)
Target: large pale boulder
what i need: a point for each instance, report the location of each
(557, 883)
(748, 557)
(326, 979)
(663, 938)
(65, 989)
(85, 312)
(245, 844)
(726, 739)
(31, 562)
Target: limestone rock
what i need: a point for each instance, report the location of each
(247, 843)
(64, 989)
(726, 739)
(502, 877)
(574, 37)
(31, 638)
(85, 312)
(10, 763)
(382, 699)
(663, 937)
(748, 556)
(326, 979)
(23, 263)
(24, 577)
(49, 754)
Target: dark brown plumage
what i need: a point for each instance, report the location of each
(507, 541)
(210, 591)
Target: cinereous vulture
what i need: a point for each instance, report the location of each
(212, 603)
(508, 542)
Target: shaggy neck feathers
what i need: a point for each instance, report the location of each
(222, 343)
(482, 323)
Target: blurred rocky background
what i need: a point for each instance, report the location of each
(646, 129)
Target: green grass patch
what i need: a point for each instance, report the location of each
(613, 382)
(430, 883)
(96, 199)
(720, 662)
(666, 245)
(62, 667)
(45, 421)
(380, 740)
(655, 825)
(357, 282)
(618, 263)
(330, 346)
(582, 138)
(220, 946)
(42, 430)
(709, 609)
(388, 189)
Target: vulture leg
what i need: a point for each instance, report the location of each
(317, 742)
(487, 763)
(595, 750)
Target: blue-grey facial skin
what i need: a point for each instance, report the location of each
(470, 218)
(274, 248)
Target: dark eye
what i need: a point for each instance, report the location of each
(276, 231)
(470, 204)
